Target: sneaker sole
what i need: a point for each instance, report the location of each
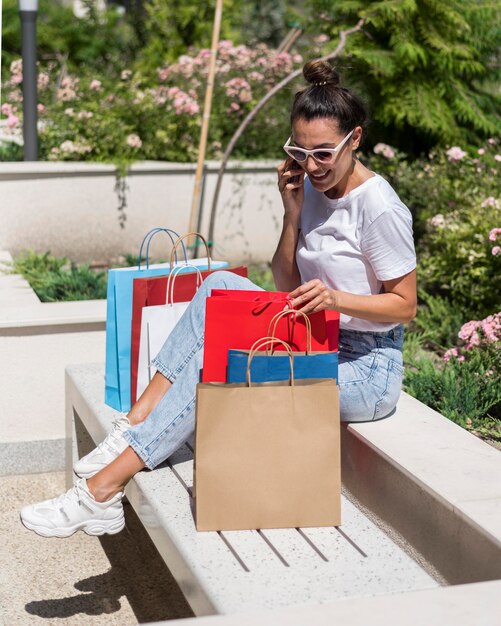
(111, 527)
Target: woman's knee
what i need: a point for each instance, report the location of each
(226, 280)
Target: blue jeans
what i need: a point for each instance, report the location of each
(370, 376)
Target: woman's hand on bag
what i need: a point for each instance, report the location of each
(313, 296)
(292, 192)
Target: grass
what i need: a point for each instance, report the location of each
(57, 280)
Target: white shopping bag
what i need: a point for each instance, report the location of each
(157, 323)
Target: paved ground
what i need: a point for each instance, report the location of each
(81, 580)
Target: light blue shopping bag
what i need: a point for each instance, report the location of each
(119, 318)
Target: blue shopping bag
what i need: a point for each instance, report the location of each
(275, 366)
(119, 318)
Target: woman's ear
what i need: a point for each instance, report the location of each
(356, 137)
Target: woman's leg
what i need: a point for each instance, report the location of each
(95, 506)
(370, 374)
(172, 419)
(183, 347)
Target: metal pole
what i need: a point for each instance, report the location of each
(28, 14)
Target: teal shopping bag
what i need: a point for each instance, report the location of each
(119, 318)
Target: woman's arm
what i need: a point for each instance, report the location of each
(283, 264)
(397, 303)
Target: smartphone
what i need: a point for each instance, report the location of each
(292, 165)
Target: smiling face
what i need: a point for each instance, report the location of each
(325, 133)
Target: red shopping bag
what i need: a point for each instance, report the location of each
(236, 319)
(153, 292)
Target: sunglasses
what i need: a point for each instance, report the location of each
(321, 155)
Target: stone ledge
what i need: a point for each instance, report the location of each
(407, 439)
(54, 314)
(460, 605)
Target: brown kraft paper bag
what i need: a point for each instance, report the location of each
(267, 455)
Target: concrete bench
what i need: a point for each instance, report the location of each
(229, 572)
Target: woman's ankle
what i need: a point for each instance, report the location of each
(138, 413)
(102, 493)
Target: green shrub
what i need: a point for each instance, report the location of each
(133, 116)
(465, 385)
(261, 275)
(55, 279)
(455, 200)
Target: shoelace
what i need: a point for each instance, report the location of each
(61, 500)
(114, 435)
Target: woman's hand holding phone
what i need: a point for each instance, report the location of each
(291, 186)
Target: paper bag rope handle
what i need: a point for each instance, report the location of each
(171, 280)
(272, 328)
(263, 342)
(147, 240)
(199, 236)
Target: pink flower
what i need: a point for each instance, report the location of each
(490, 201)
(493, 235)
(7, 109)
(95, 85)
(453, 353)
(497, 157)
(12, 121)
(256, 76)
(163, 73)
(488, 329)
(320, 39)
(134, 141)
(234, 106)
(481, 151)
(496, 250)
(384, 149)
(41, 108)
(455, 154)
(437, 221)
(491, 141)
(297, 58)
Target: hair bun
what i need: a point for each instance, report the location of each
(319, 73)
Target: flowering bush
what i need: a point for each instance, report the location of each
(466, 386)
(455, 200)
(131, 117)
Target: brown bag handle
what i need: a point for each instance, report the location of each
(178, 241)
(263, 342)
(276, 318)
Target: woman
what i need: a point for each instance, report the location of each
(346, 244)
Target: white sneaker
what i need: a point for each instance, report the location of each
(75, 510)
(106, 452)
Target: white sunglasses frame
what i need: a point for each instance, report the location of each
(311, 153)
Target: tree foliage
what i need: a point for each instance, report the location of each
(101, 40)
(428, 67)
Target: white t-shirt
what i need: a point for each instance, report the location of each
(354, 243)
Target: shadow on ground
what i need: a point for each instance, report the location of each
(137, 573)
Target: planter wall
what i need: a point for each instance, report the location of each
(71, 209)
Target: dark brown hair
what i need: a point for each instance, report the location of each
(325, 98)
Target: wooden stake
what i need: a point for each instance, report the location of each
(205, 120)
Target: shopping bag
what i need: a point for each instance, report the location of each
(152, 292)
(274, 365)
(157, 323)
(267, 455)
(236, 319)
(119, 319)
